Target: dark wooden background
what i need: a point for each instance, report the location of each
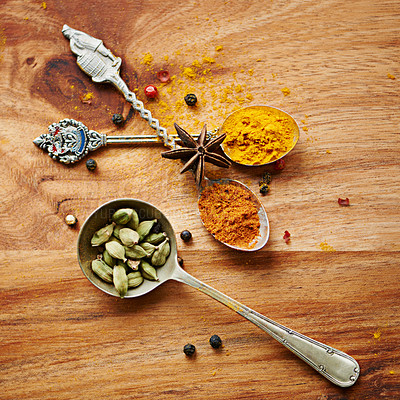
(337, 280)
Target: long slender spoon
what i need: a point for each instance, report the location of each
(338, 367)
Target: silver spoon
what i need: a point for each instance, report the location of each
(98, 62)
(338, 367)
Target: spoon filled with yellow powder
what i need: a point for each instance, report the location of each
(259, 135)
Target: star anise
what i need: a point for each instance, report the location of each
(196, 153)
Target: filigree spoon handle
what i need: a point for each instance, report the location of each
(99, 63)
(338, 367)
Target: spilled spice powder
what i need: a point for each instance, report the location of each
(230, 215)
(324, 246)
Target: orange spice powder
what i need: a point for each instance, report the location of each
(230, 215)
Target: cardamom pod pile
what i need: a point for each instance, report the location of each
(130, 250)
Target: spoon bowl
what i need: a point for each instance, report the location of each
(336, 366)
(101, 217)
(262, 238)
(262, 109)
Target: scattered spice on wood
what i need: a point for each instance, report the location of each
(87, 98)
(264, 188)
(118, 119)
(151, 91)
(186, 235)
(147, 59)
(215, 341)
(230, 215)
(190, 99)
(377, 334)
(91, 164)
(259, 135)
(266, 178)
(286, 237)
(324, 246)
(163, 76)
(189, 349)
(344, 202)
(279, 165)
(70, 220)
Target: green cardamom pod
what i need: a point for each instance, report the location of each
(135, 252)
(134, 279)
(144, 228)
(114, 239)
(148, 248)
(102, 270)
(102, 235)
(155, 238)
(116, 250)
(148, 271)
(133, 223)
(161, 253)
(125, 265)
(128, 237)
(122, 216)
(116, 230)
(110, 261)
(133, 264)
(120, 280)
(134, 274)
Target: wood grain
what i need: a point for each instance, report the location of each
(62, 338)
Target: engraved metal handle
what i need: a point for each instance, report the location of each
(336, 366)
(68, 141)
(98, 62)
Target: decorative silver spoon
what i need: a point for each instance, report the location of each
(99, 63)
(338, 367)
(68, 141)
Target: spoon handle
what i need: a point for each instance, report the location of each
(338, 367)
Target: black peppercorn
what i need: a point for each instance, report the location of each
(215, 341)
(118, 119)
(264, 188)
(266, 178)
(189, 349)
(91, 164)
(190, 99)
(180, 261)
(186, 236)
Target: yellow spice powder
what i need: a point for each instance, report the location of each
(147, 59)
(259, 135)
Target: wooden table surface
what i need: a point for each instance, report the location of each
(334, 66)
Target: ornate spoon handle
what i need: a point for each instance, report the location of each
(68, 141)
(338, 367)
(99, 63)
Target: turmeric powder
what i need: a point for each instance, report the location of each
(258, 135)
